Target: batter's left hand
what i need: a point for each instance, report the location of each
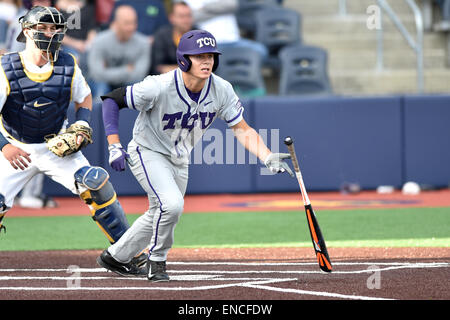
(117, 156)
(275, 163)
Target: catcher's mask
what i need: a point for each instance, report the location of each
(44, 16)
(196, 42)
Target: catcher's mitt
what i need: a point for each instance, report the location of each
(65, 143)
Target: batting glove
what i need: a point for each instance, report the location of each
(275, 163)
(117, 156)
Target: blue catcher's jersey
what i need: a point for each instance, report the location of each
(36, 107)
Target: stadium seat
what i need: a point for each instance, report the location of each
(241, 66)
(246, 14)
(444, 23)
(446, 10)
(277, 27)
(444, 26)
(304, 71)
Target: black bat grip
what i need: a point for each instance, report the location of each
(290, 145)
(288, 141)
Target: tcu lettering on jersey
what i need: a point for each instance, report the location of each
(206, 41)
(187, 120)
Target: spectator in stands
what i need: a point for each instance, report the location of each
(120, 55)
(219, 18)
(103, 10)
(8, 9)
(8, 13)
(82, 28)
(151, 15)
(166, 39)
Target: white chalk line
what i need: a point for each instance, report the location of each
(371, 270)
(395, 266)
(196, 275)
(306, 263)
(312, 293)
(66, 270)
(189, 277)
(148, 288)
(214, 273)
(253, 283)
(400, 264)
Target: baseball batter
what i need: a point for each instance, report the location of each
(175, 109)
(36, 88)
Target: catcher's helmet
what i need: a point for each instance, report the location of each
(196, 42)
(44, 15)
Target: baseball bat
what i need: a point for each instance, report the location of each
(314, 229)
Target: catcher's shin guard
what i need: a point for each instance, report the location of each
(102, 201)
(3, 209)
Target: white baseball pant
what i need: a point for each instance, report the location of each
(165, 183)
(61, 170)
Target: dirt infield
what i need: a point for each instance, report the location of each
(234, 274)
(225, 274)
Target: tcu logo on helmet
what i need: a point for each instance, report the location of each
(206, 42)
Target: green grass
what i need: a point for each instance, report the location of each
(411, 227)
(351, 228)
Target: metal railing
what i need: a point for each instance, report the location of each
(416, 45)
(342, 7)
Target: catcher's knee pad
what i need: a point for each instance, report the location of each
(102, 201)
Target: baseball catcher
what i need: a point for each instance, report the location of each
(37, 86)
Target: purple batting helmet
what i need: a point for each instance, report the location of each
(196, 42)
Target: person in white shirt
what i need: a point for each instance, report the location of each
(219, 18)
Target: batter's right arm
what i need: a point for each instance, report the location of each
(138, 96)
(112, 103)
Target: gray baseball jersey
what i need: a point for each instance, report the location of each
(170, 122)
(167, 128)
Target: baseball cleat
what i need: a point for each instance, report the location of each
(130, 269)
(157, 271)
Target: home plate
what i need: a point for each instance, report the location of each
(194, 277)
